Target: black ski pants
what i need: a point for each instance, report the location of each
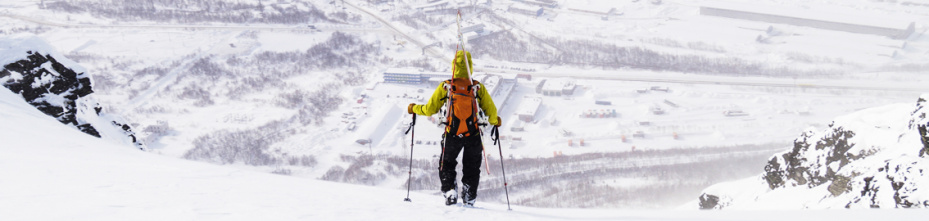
(471, 164)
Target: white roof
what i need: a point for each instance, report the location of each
(834, 14)
(529, 106)
(557, 84)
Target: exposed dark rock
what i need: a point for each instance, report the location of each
(773, 175)
(896, 177)
(797, 166)
(709, 201)
(54, 89)
(44, 78)
(920, 122)
(831, 157)
(839, 185)
(88, 129)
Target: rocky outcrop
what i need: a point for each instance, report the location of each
(813, 161)
(55, 88)
(874, 158)
(920, 122)
(708, 201)
(49, 86)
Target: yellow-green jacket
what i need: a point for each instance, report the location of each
(460, 72)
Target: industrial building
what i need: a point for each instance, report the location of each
(526, 10)
(528, 108)
(557, 87)
(854, 23)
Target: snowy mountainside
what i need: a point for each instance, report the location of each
(873, 158)
(105, 181)
(58, 87)
(290, 86)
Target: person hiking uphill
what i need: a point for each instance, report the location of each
(463, 96)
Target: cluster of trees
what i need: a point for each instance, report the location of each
(319, 105)
(25, 29)
(374, 169)
(207, 78)
(359, 170)
(193, 11)
(585, 180)
(341, 50)
(237, 77)
(911, 67)
(702, 46)
(507, 46)
(419, 20)
(250, 147)
(588, 53)
(154, 132)
(312, 106)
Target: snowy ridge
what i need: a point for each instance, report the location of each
(874, 158)
(58, 87)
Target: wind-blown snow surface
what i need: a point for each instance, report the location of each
(874, 158)
(57, 86)
(53, 172)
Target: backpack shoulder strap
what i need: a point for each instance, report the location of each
(449, 86)
(475, 87)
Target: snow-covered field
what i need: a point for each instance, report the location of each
(291, 89)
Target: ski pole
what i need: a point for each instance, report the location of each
(483, 149)
(409, 180)
(495, 133)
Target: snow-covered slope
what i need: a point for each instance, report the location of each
(78, 177)
(211, 80)
(874, 158)
(58, 87)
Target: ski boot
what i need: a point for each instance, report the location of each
(466, 198)
(451, 197)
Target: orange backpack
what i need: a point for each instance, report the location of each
(462, 110)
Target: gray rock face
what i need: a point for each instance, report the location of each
(920, 122)
(49, 86)
(873, 158)
(812, 167)
(55, 89)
